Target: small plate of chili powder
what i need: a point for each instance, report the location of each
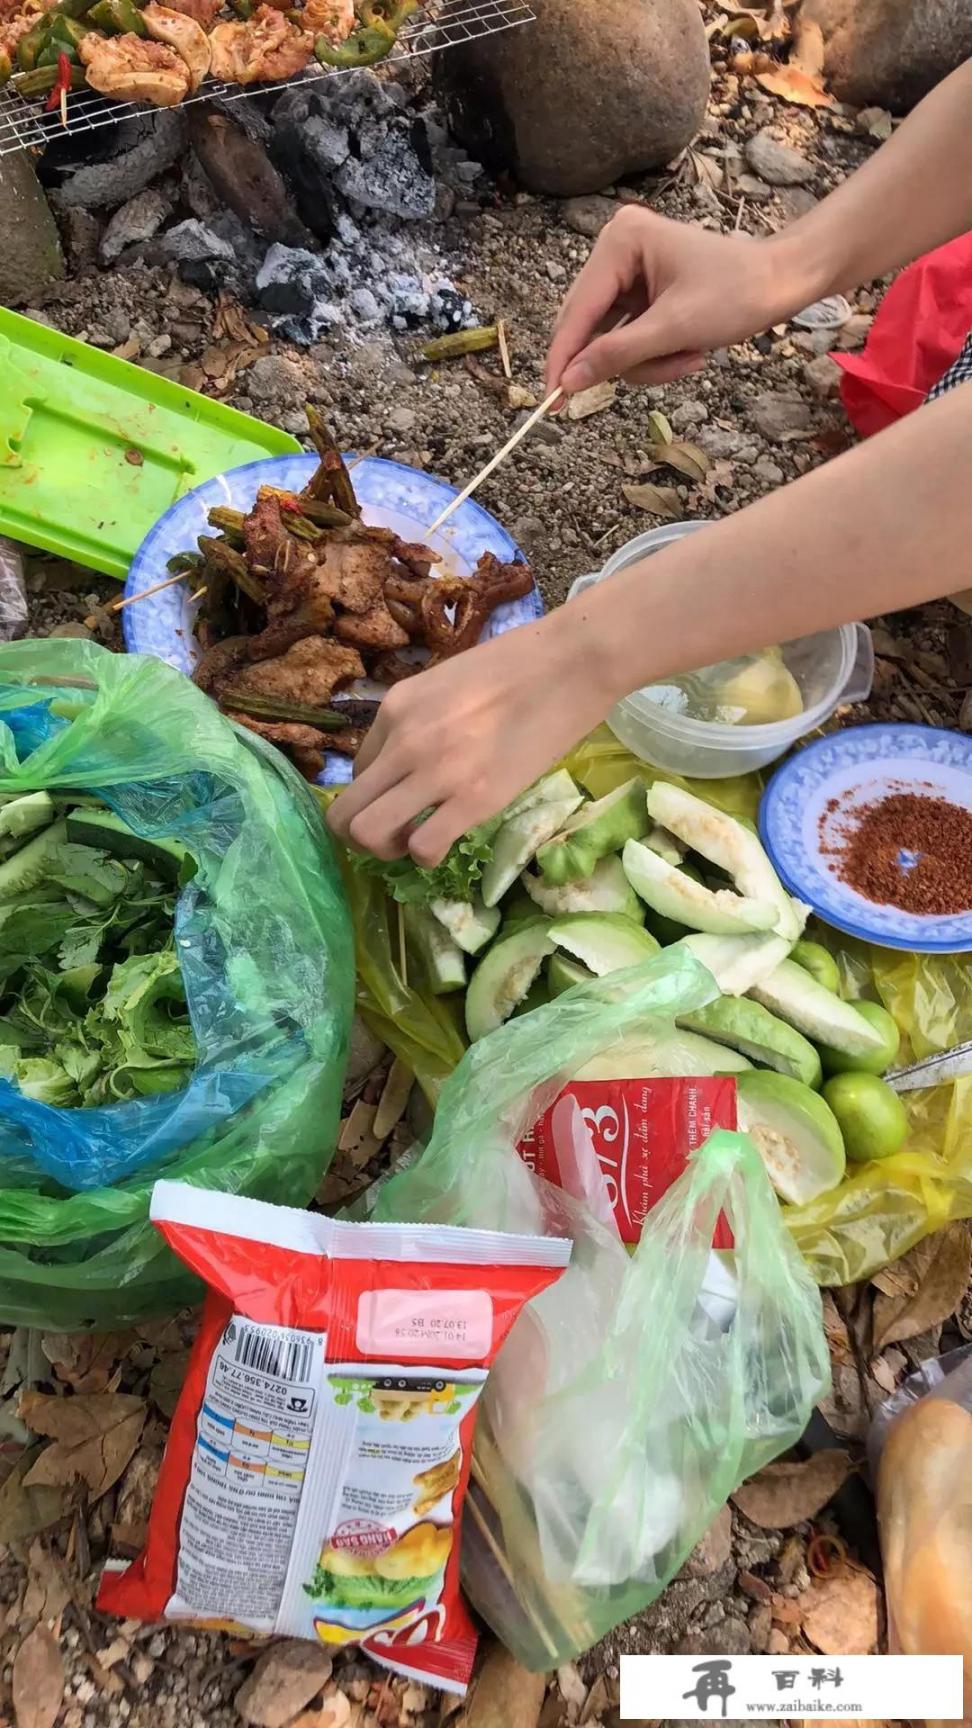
(872, 827)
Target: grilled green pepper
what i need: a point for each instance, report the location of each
(118, 18)
(41, 80)
(29, 47)
(5, 68)
(69, 32)
(376, 38)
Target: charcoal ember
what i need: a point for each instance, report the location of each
(200, 254)
(391, 169)
(105, 167)
(293, 285)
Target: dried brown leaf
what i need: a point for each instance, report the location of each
(787, 82)
(26, 1511)
(792, 85)
(687, 459)
(876, 122)
(593, 401)
(166, 1380)
(660, 501)
(884, 1374)
(808, 53)
(572, 1688)
(48, 1589)
(840, 1614)
(707, 170)
(86, 1361)
(785, 1494)
(504, 1695)
(283, 1683)
(93, 1438)
(38, 1680)
(943, 1272)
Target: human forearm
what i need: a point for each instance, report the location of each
(886, 526)
(914, 194)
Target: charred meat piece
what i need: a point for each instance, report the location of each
(185, 35)
(304, 745)
(348, 742)
(134, 69)
(203, 11)
(220, 662)
(308, 672)
(374, 629)
(394, 668)
(454, 611)
(333, 19)
(265, 48)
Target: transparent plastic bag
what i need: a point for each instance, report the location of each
(626, 1406)
(13, 593)
(920, 1448)
(265, 949)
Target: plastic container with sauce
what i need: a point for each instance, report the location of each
(830, 668)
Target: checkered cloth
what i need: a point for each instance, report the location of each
(958, 373)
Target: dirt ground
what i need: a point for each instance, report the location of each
(562, 499)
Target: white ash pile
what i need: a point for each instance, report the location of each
(322, 207)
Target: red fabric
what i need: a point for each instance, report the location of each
(919, 331)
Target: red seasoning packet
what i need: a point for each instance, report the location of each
(643, 1132)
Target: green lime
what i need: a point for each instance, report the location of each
(820, 964)
(872, 1117)
(877, 1061)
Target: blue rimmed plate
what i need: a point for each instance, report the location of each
(390, 495)
(812, 797)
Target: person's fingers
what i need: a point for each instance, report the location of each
(431, 840)
(371, 783)
(665, 371)
(653, 336)
(384, 825)
(605, 277)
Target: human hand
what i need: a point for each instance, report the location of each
(684, 291)
(465, 737)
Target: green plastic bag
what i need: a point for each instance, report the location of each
(268, 942)
(634, 1396)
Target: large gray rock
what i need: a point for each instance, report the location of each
(890, 53)
(593, 90)
(30, 246)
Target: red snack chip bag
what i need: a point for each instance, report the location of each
(643, 1132)
(314, 1476)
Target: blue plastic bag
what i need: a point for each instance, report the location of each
(262, 935)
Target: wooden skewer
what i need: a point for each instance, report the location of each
(156, 588)
(511, 443)
(494, 461)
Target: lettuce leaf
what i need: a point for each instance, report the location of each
(456, 878)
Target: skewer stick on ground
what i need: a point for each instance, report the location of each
(511, 443)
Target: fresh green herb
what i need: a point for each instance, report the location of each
(454, 879)
(92, 1003)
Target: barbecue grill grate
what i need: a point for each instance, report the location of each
(25, 126)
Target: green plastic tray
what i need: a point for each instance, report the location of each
(93, 449)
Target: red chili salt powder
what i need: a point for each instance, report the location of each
(935, 834)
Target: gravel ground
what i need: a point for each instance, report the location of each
(764, 412)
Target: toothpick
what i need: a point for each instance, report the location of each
(504, 352)
(494, 461)
(511, 443)
(156, 588)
